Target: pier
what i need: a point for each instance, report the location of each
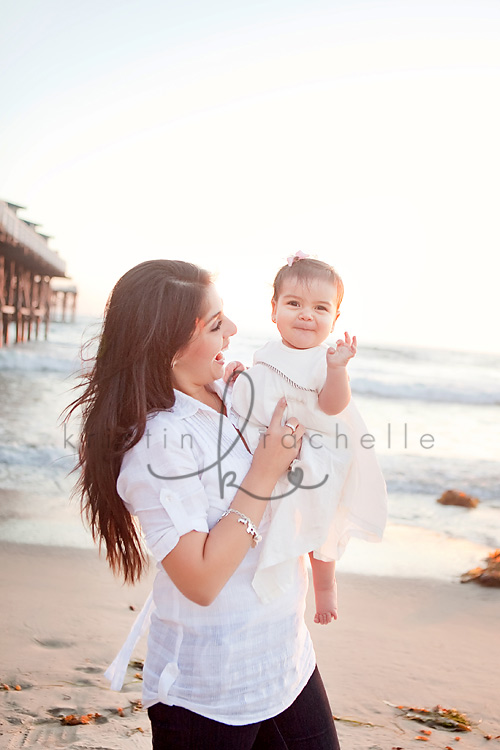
(63, 302)
(27, 265)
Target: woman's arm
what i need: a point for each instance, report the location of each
(201, 563)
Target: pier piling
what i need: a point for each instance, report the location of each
(27, 265)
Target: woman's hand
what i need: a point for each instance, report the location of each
(279, 445)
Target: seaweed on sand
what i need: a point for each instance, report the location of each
(487, 576)
(444, 718)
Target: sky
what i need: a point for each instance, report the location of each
(232, 135)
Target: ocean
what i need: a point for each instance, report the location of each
(434, 416)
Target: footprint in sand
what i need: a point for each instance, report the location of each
(90, 670)
(59, 712)
(53, 643)
(54, 736)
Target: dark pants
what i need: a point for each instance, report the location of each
(306, 725)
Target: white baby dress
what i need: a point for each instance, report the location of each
(342, 492)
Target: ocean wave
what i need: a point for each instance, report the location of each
(61, 353)
(415, 476)
(37, 457)
(28, 361)
(431, 392)
(481, 489)
(435, 356)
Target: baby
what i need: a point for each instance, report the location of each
(335, 489)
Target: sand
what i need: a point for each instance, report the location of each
(414, 642)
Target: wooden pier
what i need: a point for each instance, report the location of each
(63, 302)
(27, 265)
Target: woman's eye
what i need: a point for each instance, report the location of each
(217, 326)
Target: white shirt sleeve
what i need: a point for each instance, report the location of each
(162, 487)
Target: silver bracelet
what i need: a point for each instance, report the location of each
(256, 537)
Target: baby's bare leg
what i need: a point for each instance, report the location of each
(325, 590)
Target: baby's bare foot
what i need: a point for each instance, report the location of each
(326, 605)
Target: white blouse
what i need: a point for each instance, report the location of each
(237, 661)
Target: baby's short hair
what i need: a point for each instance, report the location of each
(307, 269)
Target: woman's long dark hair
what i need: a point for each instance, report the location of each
(149, 317)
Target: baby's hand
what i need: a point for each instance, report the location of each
(232, 370)
(346, 349)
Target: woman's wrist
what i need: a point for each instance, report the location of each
(246, 521)
(260, 480)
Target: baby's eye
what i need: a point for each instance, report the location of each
(294, 303)
(321, 307)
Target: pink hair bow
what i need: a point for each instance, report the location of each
(299, 255)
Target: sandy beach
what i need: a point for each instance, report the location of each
(412, 642)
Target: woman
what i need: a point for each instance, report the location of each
(223, 670)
